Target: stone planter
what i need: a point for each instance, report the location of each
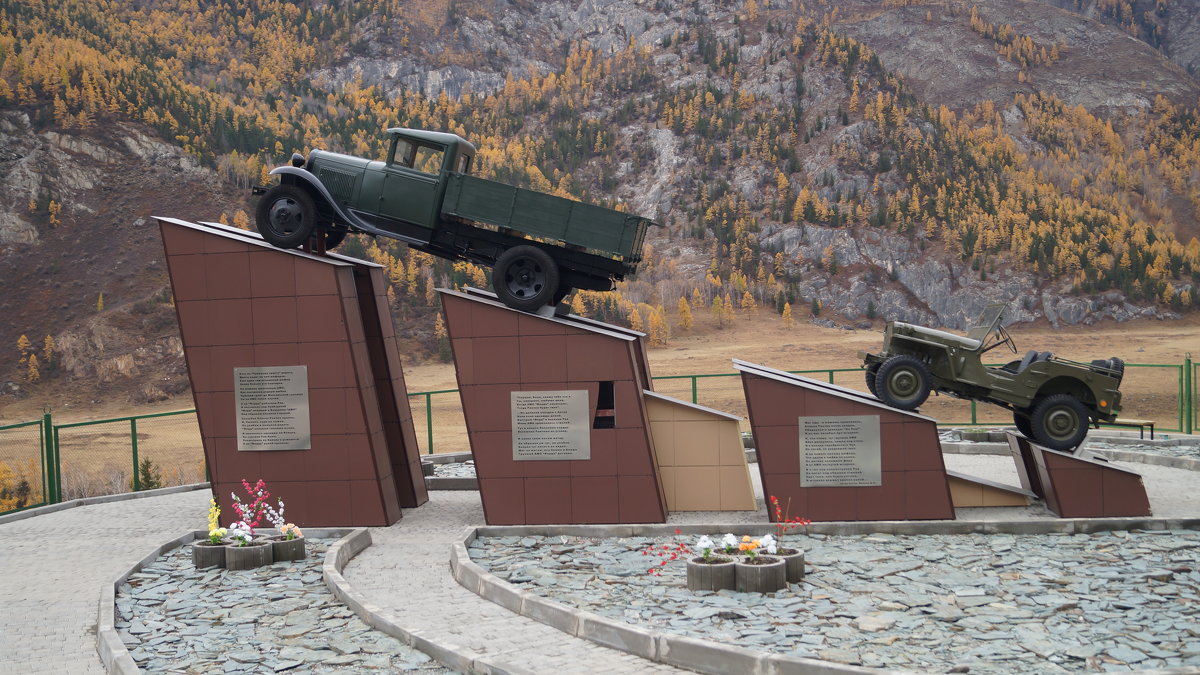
(793, 559)
(255, 554)
(710, 576)
(207, 554)
(767, 575)
(426, 468)
(287, 549)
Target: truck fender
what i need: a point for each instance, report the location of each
(306, 178)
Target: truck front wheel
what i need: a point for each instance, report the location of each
(903, 382)
(525, 278)
(286, 216)
(1060, 422)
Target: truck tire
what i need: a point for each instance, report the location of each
(525, 278)
(1060, 422)
(869, 376)
(285, 216)
(333, 238)
(903, 382)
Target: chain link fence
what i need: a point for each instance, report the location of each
(22, 472)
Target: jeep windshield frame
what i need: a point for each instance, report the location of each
(990, 331)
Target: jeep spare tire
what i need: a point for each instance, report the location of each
(903, 382)
(525, 278)
(286, 216)
(1060, 422)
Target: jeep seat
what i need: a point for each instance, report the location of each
(967, 343)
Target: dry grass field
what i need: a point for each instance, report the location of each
(96, 459)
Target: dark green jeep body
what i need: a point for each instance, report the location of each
(1052, 399)
(540, 246)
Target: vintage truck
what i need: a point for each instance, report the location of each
(539, 246)
(1052, 400)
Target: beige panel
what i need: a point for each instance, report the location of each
(666, 475)
(998, 497)
(663, 434)
(964, 494)
(730, 437)
(698, 488)
(697, 444)
(658, 410)
(737, 492)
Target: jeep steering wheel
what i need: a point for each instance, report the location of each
(1005, 339)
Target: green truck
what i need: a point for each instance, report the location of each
(539, 246)
(1052, 400)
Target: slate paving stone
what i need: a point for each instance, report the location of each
(275, 619)
(930, 603)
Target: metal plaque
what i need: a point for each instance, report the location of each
(272, 408)
(840, 451)
(551, 425)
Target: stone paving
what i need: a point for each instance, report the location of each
(52, 567)
(991, 603)
(406, 572)
(175, 618)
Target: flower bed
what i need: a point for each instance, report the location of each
(996, 603)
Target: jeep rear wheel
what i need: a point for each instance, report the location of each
(903, 382)
(1060, 422)
(285, 216)
(525, 278)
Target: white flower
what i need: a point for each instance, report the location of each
(768, 543)
(729, 541)
(705, 544)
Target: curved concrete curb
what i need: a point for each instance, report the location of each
(112, 651)
(104, 499)
(385, 620)
(712, 657)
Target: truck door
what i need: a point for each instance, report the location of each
(412, 177)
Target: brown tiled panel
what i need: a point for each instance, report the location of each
(914, 485)
(1081, 487)
(242, 303)
(498, 350)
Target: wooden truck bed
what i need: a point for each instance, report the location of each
(544, 216)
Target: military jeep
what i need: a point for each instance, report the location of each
(1052, 400)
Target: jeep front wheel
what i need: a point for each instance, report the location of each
(1021, 421)
(1060, 422)
(286, 216)
(871, 371)
(525, 278)
(903, 382)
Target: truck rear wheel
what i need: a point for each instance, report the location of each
(525, 278)
(903, 382)
(286, 216)
(1060, 422)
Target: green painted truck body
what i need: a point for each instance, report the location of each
(422, 193)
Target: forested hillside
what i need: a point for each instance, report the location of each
(799, 154)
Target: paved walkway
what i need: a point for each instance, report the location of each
(406, 570)
(53, 566)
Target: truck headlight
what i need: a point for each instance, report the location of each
(297, 159)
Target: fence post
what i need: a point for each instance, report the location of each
(133, 444)
(47, 456)
(974, 421)
(695, 398)
(56, 487)
(1189, 394)
(429, 421)
(830, 377)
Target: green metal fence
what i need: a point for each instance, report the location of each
(45, 463)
